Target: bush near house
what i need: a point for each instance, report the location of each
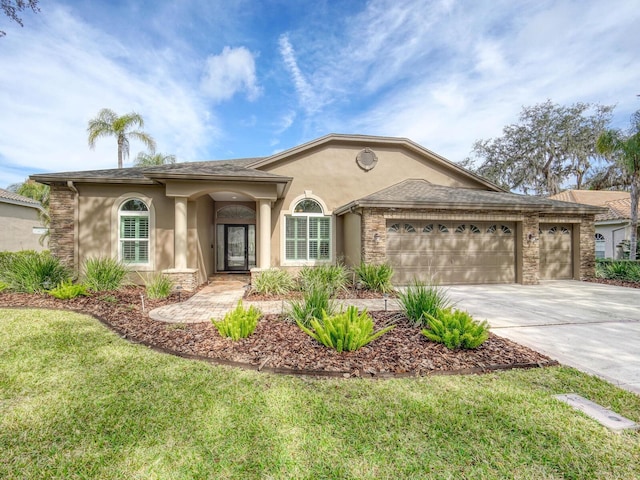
(104, 273)
(333, 278)
(158, 286)
(273, 282)
(315, 300)
(375, 277)
(627, 270)
(32, 272)
(421, 298)
(67, 290)
(345, 331)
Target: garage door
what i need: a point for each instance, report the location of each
(451, 252)
(556, 262)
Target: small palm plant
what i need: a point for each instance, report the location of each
(456, 329)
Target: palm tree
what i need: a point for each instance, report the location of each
(109, 124)
(625, 150)
(152, 158)
(39, 192)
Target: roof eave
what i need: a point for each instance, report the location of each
(49, 179)
(226, 178)
(450, 205)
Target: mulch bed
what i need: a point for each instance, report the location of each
(280, 346)
(618, 283)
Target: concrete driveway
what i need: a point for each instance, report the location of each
(593, 327)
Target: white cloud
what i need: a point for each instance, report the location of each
(61, 74)
(233, 71)
(307, 97)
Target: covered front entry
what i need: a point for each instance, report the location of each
(451, 252)
(235, 238)
(556, 259)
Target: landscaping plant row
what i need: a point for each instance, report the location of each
(28, 271)
(425, 305)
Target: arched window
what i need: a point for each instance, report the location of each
(133, 220)
(600, 246)
(307, 233)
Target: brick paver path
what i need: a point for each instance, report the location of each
(221, 296)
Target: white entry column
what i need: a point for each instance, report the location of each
(180, 233)
(264, 229)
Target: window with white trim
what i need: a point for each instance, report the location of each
(133, 220)
(307, 233)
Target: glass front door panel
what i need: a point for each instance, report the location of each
(237, 247)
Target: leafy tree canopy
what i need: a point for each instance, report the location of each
(152, 158)
(11, 8)
(549, 146)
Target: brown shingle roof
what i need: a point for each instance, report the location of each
(420, 193)
(618, 204)
(597, 198)
(12, 197)
(230, 169)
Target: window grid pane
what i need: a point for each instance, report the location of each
(307, 238)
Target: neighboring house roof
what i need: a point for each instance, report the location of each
(11, 197)
(419, 193)
(618, 204)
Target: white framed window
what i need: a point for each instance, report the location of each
(600, 246)
(308, 233)
(133, 232)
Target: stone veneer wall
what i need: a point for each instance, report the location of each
(530, 250)
(61, 228)
(186, 279)
(374, 220)
(587, 247)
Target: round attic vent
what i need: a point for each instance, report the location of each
(366, 159)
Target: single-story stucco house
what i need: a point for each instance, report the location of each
(21, 225)
(349, 198)
(613, 226)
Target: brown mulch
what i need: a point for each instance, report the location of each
(611, 281)
(280, 346)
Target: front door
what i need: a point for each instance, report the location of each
(236, 248)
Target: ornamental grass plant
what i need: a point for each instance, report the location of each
(420, 298)
(315, 300)
(104, 274)
(333, 278)
(33, 272)
(375, 277)
(273, 282)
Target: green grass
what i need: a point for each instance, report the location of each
(76, 401)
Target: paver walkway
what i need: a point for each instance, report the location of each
(222, 295)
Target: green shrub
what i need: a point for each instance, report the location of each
(3, 286)
(626, 270)
(345, 331)
(239, 323)
(376, 278)
(420, 298)
(33, 272)
(315, 300)
(158, 286)
(456, 329)
(68, 290)
(104, 274)
(331, 277)
(273, 282)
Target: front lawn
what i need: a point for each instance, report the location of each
(76, 401)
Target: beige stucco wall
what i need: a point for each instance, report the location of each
(98, 229)
(352, 239)
(613, 235)
(16, 228)
(331, 174)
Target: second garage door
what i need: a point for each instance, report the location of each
(556, 262)
(451, 252)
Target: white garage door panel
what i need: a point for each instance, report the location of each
(451, 252)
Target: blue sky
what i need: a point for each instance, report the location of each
(217, 79)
